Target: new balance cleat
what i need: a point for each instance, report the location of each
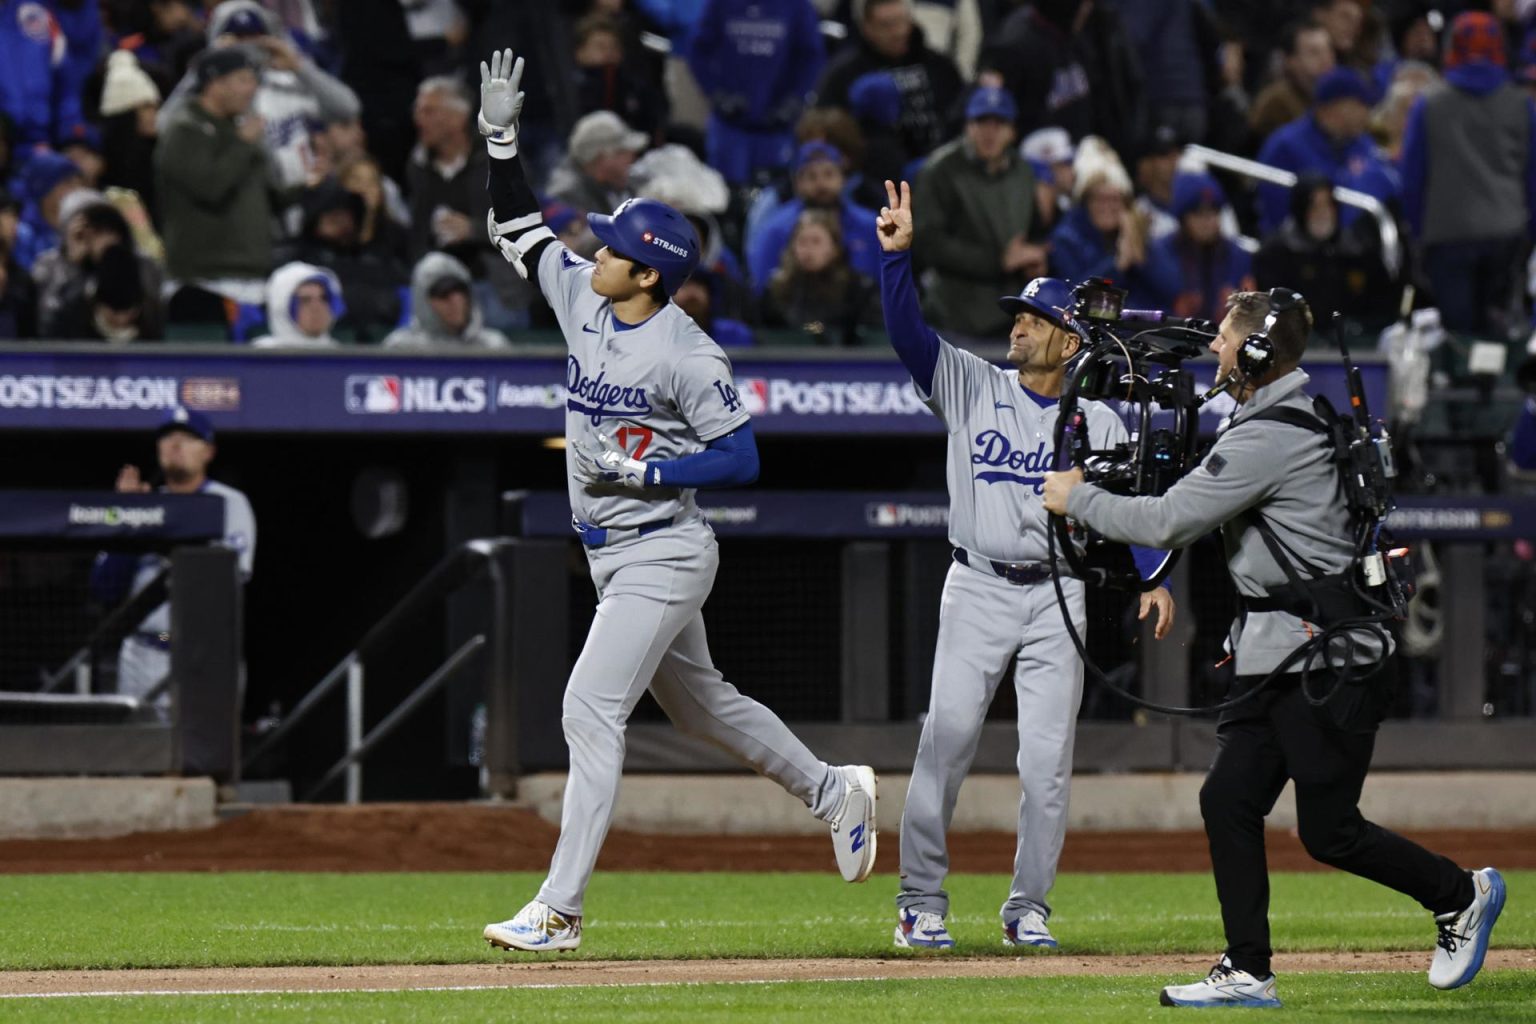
(1224, 986)
(853, 826)
(1463, 940)
(537, 928)
(1029, 930)
(922, 929)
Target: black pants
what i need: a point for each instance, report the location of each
(1326, 752)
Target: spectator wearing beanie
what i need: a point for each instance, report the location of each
(211, 175)
(1331, 139)
(974, 203)
(1469, 178)
(129, 102)
(1210, 266)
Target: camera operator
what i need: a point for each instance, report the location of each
(1284, 731)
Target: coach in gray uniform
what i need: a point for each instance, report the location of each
(998, 602)
(184, 447)
(651, 415)
(1265, 468)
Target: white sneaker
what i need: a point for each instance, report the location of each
(922, 930)
(853, 826)
(537, 928)
(1029, 930)
(1463, 940)
(1224, 986)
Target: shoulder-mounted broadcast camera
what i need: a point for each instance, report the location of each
(1133, 357)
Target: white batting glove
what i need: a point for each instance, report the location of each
(608, 463)
(501, 101)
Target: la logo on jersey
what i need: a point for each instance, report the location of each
(728, 396)
(994, 449)
(600, 398)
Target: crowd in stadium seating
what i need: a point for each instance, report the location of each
(307, 172)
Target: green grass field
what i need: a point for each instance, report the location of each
(171, 920)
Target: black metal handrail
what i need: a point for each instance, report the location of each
(465, 564)
(114, 627)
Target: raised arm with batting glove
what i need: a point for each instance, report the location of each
(516, 221)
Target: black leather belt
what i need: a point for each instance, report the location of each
(1020, 574)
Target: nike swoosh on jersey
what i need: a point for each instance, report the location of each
(1001, 405)
(589, 329)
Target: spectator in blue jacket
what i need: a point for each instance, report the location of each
(1209, 266)
(819, 183)
(80, 23)
(1469, 178)
(1104, 235)
(34, 79)
(48, 178)
(757, 62)
(1331, 139)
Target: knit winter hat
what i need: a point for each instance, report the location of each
(126, 86)
(1476, 37)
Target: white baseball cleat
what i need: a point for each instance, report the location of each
(537, 928)
(853, 826)
(1029, 930)
(1224, 986)
(1463, 939)
(922, 929)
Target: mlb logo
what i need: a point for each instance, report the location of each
(373, 394)
(753, 392)
(883, 515)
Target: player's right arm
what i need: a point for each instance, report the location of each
(516, 221)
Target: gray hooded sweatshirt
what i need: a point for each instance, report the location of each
(426, 327)
(1279, 469)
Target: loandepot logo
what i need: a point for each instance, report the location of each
(116, 516)
(384, 393)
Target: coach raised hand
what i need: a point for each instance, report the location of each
(998, 601)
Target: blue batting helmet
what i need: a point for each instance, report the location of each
(1049, 297)
(651, 233)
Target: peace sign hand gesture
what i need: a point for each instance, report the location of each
(894, 225)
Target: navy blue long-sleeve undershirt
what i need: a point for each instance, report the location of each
(729, 461)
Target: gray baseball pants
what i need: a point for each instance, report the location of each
(983, 622)
(649, 633)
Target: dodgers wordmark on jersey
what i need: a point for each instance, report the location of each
(662, 389)
(1001, 440)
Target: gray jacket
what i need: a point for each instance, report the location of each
(1283, 471)
(426, 327)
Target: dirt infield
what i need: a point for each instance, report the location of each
(560, 974)
(484, 837)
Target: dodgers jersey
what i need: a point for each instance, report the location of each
(239, 534)
(1000, 448)
(662, 389)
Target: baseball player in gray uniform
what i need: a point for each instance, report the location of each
(184, 447)
(998, 604)
(651, 415)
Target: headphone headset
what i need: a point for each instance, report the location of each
(1256, 355)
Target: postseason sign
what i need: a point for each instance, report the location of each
(364, 392)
